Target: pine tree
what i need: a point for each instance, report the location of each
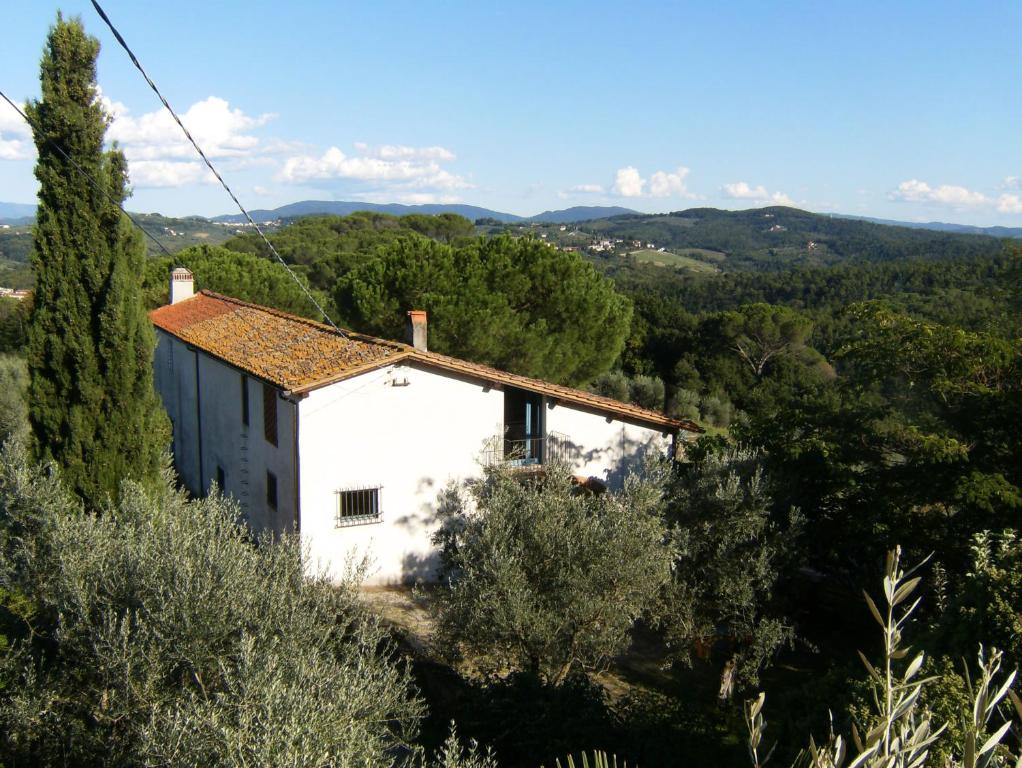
(92, 406)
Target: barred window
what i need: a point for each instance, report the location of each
(358, 506)
(270, 414)
(271, 490)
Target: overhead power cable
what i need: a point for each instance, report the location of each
(100, 187)
(106, 193)
(251, 221)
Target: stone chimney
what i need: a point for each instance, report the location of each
(415, 330)
(182, 285)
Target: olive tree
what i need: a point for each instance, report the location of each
(544, 577)
(728, 557)
(162, 634)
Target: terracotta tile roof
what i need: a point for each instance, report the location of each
(288, 351)
(300, 355)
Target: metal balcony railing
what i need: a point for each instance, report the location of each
(528, 452)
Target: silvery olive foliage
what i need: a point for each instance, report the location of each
(545, 577)
(902, 732)
(13, 410)
(729, 553)
(163, 635)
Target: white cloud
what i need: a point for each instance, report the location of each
(15, 136)
(916, 191)
(958, 198)
(220, 130)
(628, 182)
(15, 149)
(397, 167)
(742, 190)
(663, 184)
(1009, 204)
(167, 173)
(586, 189)
(403, 152)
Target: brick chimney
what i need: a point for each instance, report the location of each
(182, 285)
(415, 330)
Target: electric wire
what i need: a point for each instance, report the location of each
(277, 347)
(134, 60)
(100, 187)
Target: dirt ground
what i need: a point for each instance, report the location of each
(406, 611)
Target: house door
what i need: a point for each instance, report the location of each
(523, 426)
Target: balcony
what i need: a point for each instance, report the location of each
(531, 451)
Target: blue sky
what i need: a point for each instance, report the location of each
(903, 110)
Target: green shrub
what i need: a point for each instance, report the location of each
(684, 404)
(611, 384)
(162, 636)
(13, 388)
(545, 578)
(717, 410)
(648, 392)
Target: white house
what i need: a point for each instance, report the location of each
(349, 439)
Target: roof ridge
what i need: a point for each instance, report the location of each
(392, 352)
(342, 332)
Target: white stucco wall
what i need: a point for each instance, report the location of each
(602, 447)
(412, 440)
(223, 436)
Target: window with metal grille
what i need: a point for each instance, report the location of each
(358, 506)
(270, 414)
(271, 490)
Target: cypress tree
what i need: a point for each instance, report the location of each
(92, 406)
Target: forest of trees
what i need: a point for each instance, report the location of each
(864, 417)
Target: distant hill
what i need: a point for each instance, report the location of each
(343, 208)
(16, 213)
(471, 212)
(941, 226)
(582, 213)
(779, 237)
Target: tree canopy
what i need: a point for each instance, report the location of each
(92, 405)
(546, 578)
(516, 304)
(240, 275)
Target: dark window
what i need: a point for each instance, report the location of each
(356, 506)
(270, 413)
(271, 490)
(221, 478)
(244, 400)
(523, 426)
